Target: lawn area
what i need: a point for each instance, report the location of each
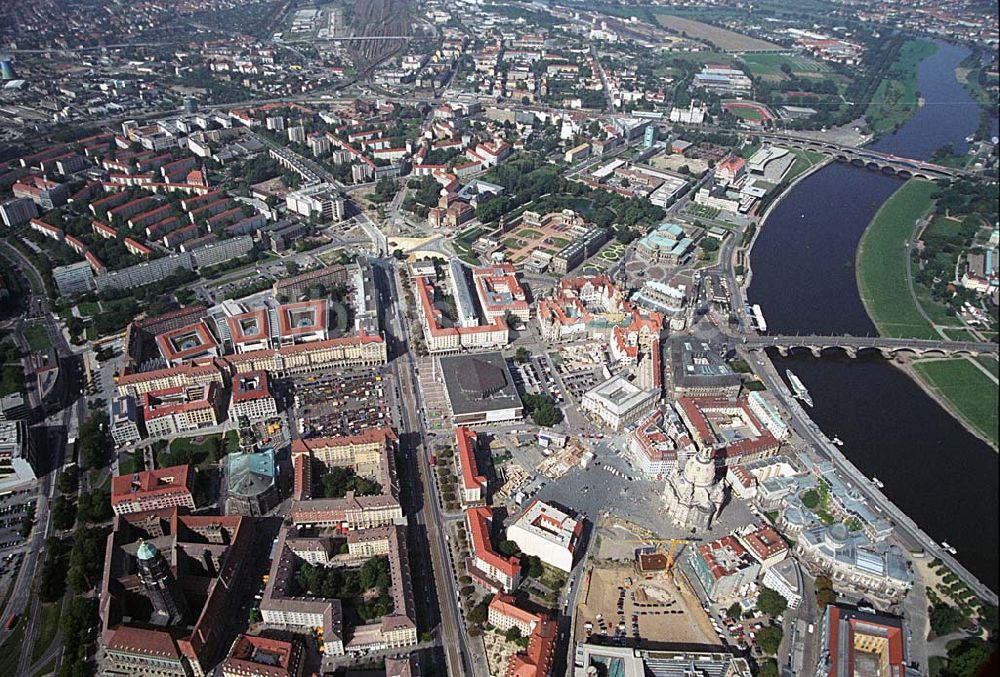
(895, 100)
(48, 625)
(89, 308)
(127, 465)
(36, 336)
(881, 264)
(804, 159)
(990, 363)
(10, 650)
(967, 389)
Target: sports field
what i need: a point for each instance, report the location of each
(770, 64)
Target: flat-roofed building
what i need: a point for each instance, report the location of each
(153, 490)
(480, 389)
(17, 452)
(618, 401)
(547, 533)
(700, 371)
(124, 421)
(18, 211)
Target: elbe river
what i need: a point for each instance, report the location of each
(803, 264)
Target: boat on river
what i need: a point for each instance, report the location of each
(878, 483)
(798, 388)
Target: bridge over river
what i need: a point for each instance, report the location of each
(888, 347)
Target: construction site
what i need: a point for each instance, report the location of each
(635, 595)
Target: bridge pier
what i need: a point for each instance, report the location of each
(783, 351)
(816, 351)
(851, 351)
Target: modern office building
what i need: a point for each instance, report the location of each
(18, 211)
(18, 455)
(124, 420)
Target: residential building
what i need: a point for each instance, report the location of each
(252, 397)
(538, 658)
(785, 578)
(547, 533)
(321, 200)
(75, 278)
(43, 192)
(473, 482)
(17, 211)
(181, 409)
(153, 490)
(485, 565)
(504, 614)
(764, 544)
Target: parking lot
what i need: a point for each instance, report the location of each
(13, 508)
(535, 377)
(341, 403)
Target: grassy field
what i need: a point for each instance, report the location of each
(36, 336)
(770, 64)
(746, 112)
(881, 264)
(895, 100)
(804, 159)
(723, 39)
(967, 389)
(48, 625)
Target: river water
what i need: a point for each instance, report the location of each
(939, 474)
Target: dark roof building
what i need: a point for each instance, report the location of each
(480, 389)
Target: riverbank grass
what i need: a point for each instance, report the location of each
(896, 98)
(967, 389)
(882, 263)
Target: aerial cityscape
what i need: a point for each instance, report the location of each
(579, 338)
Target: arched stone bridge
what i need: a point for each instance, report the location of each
(888, 347)
(881, 162)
